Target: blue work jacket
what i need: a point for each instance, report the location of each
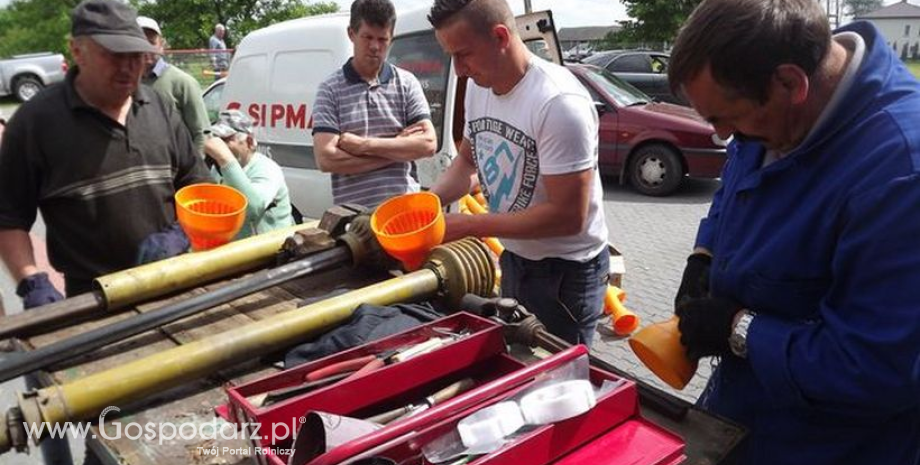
(824, 245)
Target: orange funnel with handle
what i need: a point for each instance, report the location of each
(210, 214)
(658, 347)
(409, 226)
(623, 320)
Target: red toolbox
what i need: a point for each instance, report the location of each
(479, 355)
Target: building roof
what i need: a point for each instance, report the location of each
(899, 10)
(590, 33)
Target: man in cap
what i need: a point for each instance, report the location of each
(241, 166)
(100, 156)
(220, 60)
(173, 84)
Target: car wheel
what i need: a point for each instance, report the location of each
(27, 87)
(655, 170)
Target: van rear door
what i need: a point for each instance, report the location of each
(539, 33)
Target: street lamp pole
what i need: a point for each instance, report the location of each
(527, 7)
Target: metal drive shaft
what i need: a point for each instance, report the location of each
(451, 271)
(118, 290)
(16, 364)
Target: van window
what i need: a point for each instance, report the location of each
(421, 55)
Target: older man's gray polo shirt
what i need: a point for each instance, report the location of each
(347, 103)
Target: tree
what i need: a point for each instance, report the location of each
(28, 26)
(858, 8)
(656, 21)
(188, 23)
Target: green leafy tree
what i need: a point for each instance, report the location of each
(860, 7)
(187, 24)
(29, 26)
(655, 21)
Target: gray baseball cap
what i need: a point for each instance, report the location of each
(231, 122)
(111, 24)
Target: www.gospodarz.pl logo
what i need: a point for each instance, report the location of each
(212, 429)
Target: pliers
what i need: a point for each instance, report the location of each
(356, 366)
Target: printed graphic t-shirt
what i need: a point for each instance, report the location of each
(546, 125)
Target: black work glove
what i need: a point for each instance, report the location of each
(705, 325)
(695, 282)
(37, 290)
(169, 242)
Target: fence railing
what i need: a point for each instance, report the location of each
(205, 65)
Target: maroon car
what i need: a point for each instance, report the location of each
(651, 145)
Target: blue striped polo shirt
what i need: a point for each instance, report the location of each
(347, 103)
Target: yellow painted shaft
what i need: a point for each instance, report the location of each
(86, 397)
(185, 271)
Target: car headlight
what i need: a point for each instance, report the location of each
(720, 141)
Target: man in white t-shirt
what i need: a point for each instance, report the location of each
(531, 136)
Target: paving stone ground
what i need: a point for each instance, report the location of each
(655, 235)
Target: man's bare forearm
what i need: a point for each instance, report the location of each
(330, 158)
(414, 142)
(455, 182)
(16, 251)
(342, 162)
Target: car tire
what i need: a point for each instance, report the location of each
(655, 170)
(27, 87)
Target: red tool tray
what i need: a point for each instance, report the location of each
(612, 430)
(637, 441)
(479, 355)
(389, 386)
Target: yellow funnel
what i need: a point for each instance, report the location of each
(409, 226)
(624, 321)
(658, 347)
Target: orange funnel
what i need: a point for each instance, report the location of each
(658, 347)
(624, 321)
(210, 214)
(409, 226)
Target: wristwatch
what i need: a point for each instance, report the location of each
(737, 342)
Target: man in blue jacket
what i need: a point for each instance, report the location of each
(805, 278)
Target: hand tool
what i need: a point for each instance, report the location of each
(354, 366)
(270, 397)
(438, 397)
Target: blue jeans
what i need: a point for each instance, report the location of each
(567, 296)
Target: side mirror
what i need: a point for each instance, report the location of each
(601, 108)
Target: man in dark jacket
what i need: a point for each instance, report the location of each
(810, 246)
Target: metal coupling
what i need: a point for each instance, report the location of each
(462, 267)
(365, 250)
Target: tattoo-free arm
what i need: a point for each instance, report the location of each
(416, 141)
(564, 213)
(332, 159)
(455, 182)
(17, 254)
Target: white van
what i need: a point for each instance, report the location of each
(276, 70)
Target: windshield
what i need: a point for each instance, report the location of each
(621, 92)
(421, 55)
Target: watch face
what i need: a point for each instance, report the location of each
(737, 344)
